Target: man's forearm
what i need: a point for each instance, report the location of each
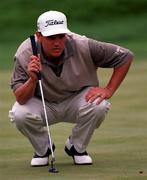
(26, 91)
(118, 76)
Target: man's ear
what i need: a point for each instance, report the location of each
(38, 34)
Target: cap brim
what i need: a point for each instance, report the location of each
(54, 32)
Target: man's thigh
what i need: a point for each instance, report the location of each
(32, 109)
(78, 104)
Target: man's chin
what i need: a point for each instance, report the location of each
(56, 54)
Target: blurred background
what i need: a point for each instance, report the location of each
(117, 21)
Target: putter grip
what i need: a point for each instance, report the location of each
(35, 53)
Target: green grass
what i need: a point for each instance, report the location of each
(118, 147)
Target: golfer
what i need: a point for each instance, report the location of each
(68, 63)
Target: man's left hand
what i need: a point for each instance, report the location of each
(99, 94)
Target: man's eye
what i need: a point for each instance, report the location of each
(59, 36)
(51, 37)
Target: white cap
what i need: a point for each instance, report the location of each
(51, 23)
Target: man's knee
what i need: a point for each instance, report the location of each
(18, 116)
(21, 114)
(100, 111)
(103, 107)
(94, 110)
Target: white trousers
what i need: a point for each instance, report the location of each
(30, 121)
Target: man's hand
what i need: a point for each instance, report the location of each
(27, 90)
(34, 67)
(98, 93)
(117, 77)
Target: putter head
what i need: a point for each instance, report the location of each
(53, 170)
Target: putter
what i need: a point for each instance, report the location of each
(52, 169)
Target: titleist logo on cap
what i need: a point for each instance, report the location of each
(53, 22)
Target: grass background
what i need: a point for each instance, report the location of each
(119, 146)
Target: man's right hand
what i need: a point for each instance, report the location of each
(27, 90)
(34, 67)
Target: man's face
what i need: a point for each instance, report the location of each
(53, 46)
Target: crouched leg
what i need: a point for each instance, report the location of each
(28, 120)
(90, 116)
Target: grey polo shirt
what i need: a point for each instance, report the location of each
(81, 58)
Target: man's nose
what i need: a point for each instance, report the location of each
(57, 41)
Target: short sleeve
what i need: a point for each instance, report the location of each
(19, 75)
(107, 55)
